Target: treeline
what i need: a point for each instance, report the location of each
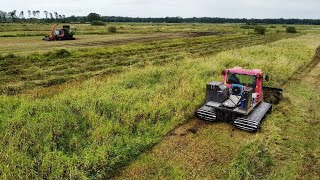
(30, 16)
(211, 20)
(34, 16)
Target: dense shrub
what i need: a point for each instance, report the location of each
(98, 23)
(247, 27)
(260, 30)
(112, 29)
(273, 26)
(291, 29)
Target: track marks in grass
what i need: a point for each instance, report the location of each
(290, 136)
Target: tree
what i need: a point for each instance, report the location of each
(3, 16)
(13, 15)
(63, 16)
(60, 16)
(38, 14)
(260, 30)
(73, 18)
(21, 15)
(51, 16)
(46, 14)
(56, 15)
(291, 29)
(94, 17)
(34, 13)
(29, 12)
(112, 29)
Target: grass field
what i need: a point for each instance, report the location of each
(90, 107)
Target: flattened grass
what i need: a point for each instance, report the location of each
(21, 72)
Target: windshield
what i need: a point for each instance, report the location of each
(244, 80)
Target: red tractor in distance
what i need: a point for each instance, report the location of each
(60, 34)
(238, 99)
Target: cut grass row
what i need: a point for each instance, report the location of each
(28, 45)
(19, 73)
(16, 30)
(91, 130)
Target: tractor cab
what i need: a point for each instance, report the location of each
(241, 81)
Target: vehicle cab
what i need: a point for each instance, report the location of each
(238, 80)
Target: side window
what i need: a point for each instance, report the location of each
(233, 79)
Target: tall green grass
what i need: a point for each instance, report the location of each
(288, 146)
(92, 130)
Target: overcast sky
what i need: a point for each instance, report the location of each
(183, 8)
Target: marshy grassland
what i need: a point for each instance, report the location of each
(121, 105)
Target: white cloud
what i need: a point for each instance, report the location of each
(184, 8)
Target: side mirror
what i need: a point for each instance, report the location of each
(267, 78)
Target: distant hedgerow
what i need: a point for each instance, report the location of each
(247, 27)
(98, 23)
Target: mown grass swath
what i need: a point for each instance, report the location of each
(20, 72)
(91, 130)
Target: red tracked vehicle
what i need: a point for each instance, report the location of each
(60, 34)
(238, 99)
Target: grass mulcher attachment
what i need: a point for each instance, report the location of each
(238, 99)
(60, 34)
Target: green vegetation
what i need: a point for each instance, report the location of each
(253, 162)
(32, 70)
(291, 29)
(98, 23)
(28, 29)
(112, 29)
(247, 27)
(260, 30)
(92, 17)
(285, 148)
(87, 108)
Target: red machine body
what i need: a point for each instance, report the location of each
(60, 34)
